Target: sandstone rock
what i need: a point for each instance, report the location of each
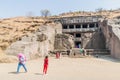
(63, 42)
(36, 44)
(41, 37)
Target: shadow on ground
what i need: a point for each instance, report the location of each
(108, 57)
(38, 74)
(15, 72)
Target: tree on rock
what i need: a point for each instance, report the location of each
(45, 13)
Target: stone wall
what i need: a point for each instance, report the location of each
(115, 45)
(63, 42)
(94, 40)
(111, 30)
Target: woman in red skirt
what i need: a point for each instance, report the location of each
(45, 65)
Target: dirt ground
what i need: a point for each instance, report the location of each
(101, 68)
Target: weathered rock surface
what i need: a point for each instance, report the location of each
(36, 44)
(36, 36)
(63, 42)
(33, 37)
(111, 30)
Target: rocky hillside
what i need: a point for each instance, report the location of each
(100, 12)
(12, 29)
(33, 36)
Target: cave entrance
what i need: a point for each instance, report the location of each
(78, 44)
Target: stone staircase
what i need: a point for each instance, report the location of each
(76, 52)
(98, 51)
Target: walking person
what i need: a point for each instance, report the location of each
(22, 61)
(83, 51)
(57, 55)
(45, 65)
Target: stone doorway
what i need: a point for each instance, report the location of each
(78, 44)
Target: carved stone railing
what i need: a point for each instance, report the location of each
(92, 51)
(77, 39)
(77, 19)
(80, 30)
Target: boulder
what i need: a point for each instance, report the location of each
(63, 42)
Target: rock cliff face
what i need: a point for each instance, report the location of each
(111, 30)
(34, 37)
(13, 30)
(36, 44)
(63, 42)
(93, 40)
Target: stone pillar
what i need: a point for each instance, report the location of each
(82, 40)
(74, 35)
(81, 26)
(95, 25)
(88, 26)
(74, 26)
(67, 26)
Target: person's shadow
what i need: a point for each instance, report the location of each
(23, 72)
(15, 72)
(38, 74)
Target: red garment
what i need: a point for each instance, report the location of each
(45, 66)
(57, 55)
